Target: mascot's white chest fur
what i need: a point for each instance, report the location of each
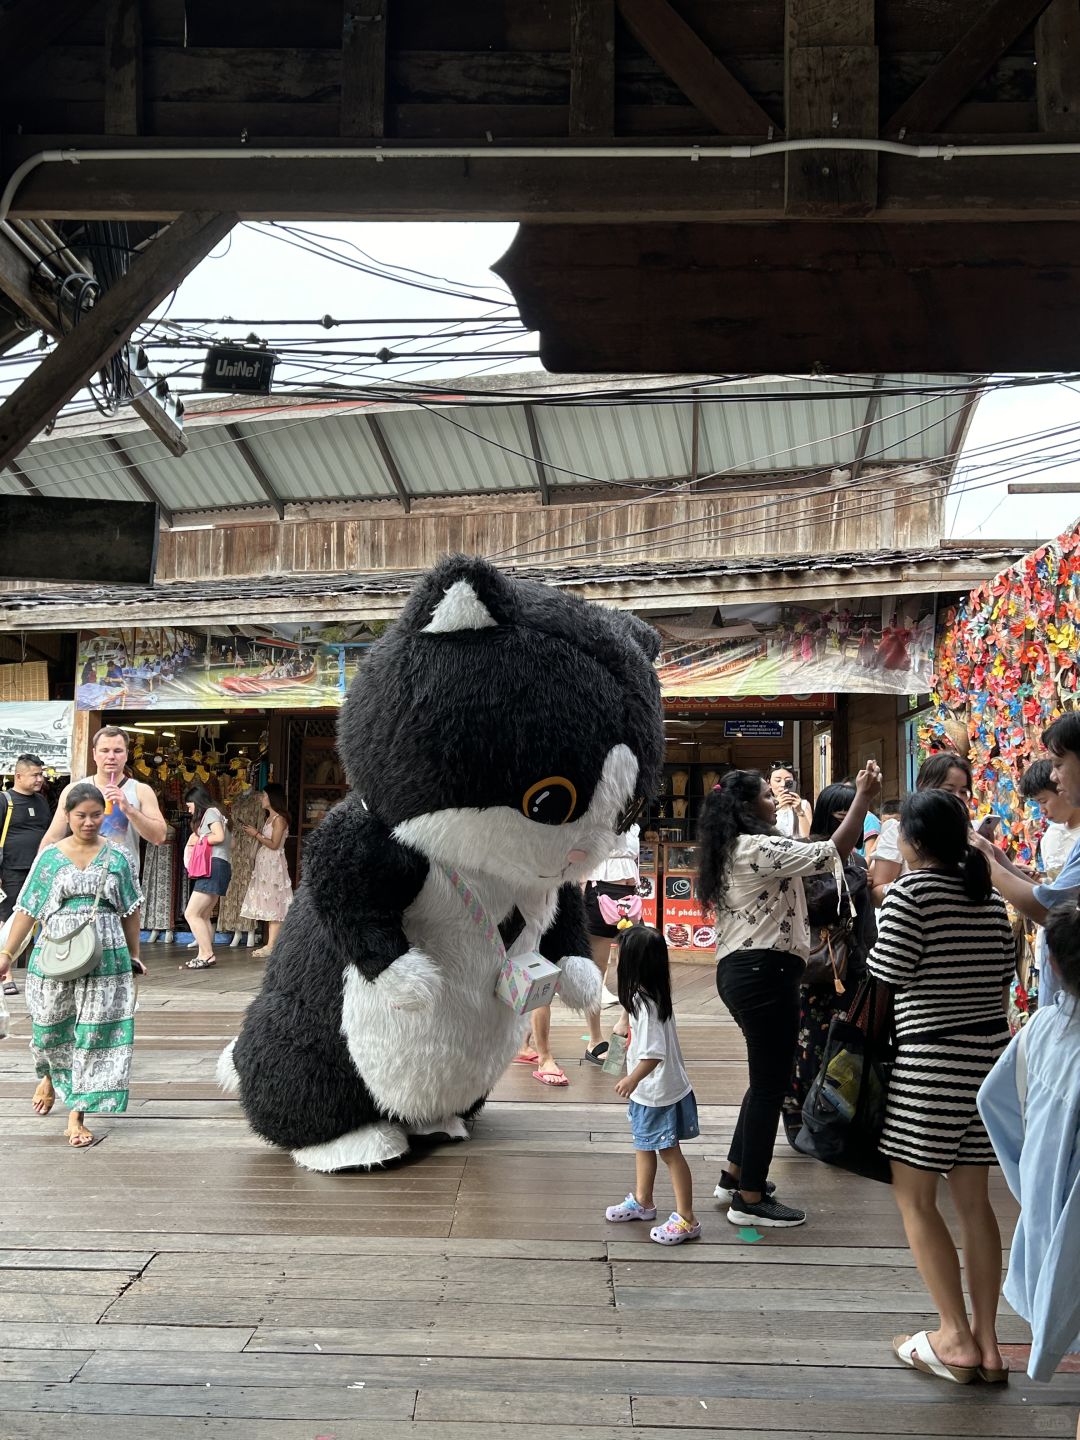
(426, 1063)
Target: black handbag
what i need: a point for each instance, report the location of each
(843, 1115)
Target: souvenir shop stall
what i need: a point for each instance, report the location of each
(1005, 667)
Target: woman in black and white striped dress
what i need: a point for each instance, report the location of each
(945, 945)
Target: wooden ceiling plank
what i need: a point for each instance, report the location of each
(1057, 68)
(138, 478)
(699, 74)
(154, 275)
(999, 26)
(396, 478)
(255, 467)
(27, 28)
(363, 68)
(538, 455)
(592, 67)
(831, 88)
(123, 67)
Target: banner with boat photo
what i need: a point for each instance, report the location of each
(293, 667)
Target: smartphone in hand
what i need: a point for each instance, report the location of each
(987, 827)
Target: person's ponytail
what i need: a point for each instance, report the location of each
(975, 869)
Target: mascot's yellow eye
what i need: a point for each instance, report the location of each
(551, 801)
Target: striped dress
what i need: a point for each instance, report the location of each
(948, 959)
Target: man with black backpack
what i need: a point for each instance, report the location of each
(24, 818)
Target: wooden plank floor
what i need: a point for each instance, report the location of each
(180, 1279)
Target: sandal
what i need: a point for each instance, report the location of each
(525, 1057)
(40, 1107)
(10, 988)
(550, 1077)
(916, 1352)
(80, 1140)
(198, 963)
(595, 1055)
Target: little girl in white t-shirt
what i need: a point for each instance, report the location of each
(662, 1109)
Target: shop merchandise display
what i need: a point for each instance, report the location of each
(1006, 666)
(495, 740)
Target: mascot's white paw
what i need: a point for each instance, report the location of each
(580, 984)
(361, 1149)
(412, 982)
(227, 1077)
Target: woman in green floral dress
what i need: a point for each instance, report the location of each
(83, 1030)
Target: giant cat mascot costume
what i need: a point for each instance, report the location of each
(495, 740)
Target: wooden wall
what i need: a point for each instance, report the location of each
(714, 526)
(871, 718)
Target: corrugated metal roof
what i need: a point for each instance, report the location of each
(325, 451)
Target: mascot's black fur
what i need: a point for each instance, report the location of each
(494, 740)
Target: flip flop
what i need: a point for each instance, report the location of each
(527, 1057)
(550, 1077)
(993, 1377)
(10, 988)
(916, 1352)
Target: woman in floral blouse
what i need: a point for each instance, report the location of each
(752, 877)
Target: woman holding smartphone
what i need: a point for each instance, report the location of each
(793, 813)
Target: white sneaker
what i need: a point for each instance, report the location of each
(193, 946)
(607, 999)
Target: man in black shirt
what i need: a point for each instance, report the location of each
(24, 818)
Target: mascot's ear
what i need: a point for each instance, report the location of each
(643, 636)
(462, 593)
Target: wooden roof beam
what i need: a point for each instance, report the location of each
(138, 478)
(123, 67)
(396, 478)
(592, 67)
(155, 274)
(538, 455)
(1057, 68)
(704, 80)
(831, 88)
(363, 68)
(254, 465)
(27, 28)
(17, 283)
(999, 26)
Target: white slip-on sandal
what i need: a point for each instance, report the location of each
(917, 1353)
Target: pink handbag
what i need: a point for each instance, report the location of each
(624, 908)
(199, 858)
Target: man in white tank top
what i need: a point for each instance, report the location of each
(131, 808)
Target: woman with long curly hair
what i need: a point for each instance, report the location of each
(753, 878)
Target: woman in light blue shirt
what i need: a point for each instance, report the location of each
(1030, 1104)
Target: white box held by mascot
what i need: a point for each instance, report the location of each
(495, 740)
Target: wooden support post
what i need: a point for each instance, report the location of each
(538, 455)
(1057, 68)
(363, 68)
(873, 405)
(17, 283)
(707, 83)
(1044, 487)
(695, 441)
(396, 478)
(831, 88)
(123, 67)
(138, 478)
(81, 354)
(254, 465)
(592, 67)
(979, 48)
